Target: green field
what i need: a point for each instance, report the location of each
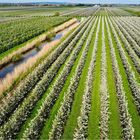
(86, 87)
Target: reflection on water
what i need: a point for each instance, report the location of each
(10, 67)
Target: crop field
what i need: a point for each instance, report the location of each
(88, 11)
(134, 10)
(34, 11)
(118, 12)
(87, 86)
(16, 32)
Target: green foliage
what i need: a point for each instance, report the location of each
(67, 91)
(16, 32)
(16, 58)
(50, 35)
(57, 14)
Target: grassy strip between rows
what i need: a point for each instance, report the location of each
(114, 123)
(131, 105)
(75, 112)
(4, 54)
(94, 116)
(49, 121)
(131, 62)
(23, 75)
(34, 111)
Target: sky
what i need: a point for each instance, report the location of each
(76, 1)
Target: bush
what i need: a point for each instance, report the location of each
(57, 14)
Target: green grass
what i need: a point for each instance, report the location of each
(39, 103)
(34, 111)
(94, 116)
(131, 105)
(49, 121)
(48, 124)
(131, 62)
(114, 122)
(75, 112)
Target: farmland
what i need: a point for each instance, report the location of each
(85, 86)
(17, 32)
(24, 11)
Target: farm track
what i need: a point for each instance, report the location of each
(87, 88)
